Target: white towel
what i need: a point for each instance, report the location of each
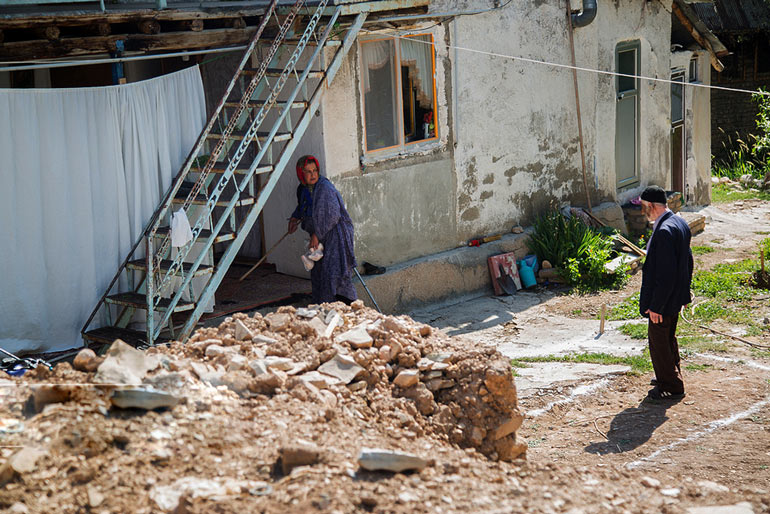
(181, 233)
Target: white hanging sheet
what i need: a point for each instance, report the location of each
(81, 172)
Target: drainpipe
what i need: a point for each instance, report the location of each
(585, 16)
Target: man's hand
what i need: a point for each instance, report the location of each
(313, 242)
(293, 224)
(654, 316)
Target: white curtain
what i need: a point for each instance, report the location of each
(417, 56)
(81, 172)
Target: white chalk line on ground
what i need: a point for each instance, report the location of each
(751, 364)
(578, 391)
(714, 425)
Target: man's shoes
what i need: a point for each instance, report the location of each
(371, 269)
(653, 381)
(657, 394)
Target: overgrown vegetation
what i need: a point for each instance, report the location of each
(627, 309)
(722, 193)
(639, 363)
(751, 155)
(634, 330)
(702, 250)
(579, 252)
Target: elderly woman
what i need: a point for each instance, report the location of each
(321, 213)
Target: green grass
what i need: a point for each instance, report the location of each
(518, 363)
(577, 312)
(639, 363)
(720, 193)
(699, 367)
(627, 309)
(634, 330)
(702, 250)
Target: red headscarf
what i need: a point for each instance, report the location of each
(301, 165)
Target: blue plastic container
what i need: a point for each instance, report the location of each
(527, 269)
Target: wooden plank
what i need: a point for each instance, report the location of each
(70, 47)
(125, 17)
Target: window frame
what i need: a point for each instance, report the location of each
(402, 147)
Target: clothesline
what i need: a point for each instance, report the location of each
(583, 68)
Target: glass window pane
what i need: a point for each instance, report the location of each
(379, 83)
(627, 65)
(417, 88)
(677, 105)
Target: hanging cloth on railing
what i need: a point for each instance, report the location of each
(181, 233)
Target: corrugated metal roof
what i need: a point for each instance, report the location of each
(735, 15)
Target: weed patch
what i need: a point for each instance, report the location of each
(639, 363)
(634, 330)
(698, 367)
(702, 250)
(627, 309)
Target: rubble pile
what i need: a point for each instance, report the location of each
(254, 399)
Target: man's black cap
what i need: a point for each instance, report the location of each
(654, 194)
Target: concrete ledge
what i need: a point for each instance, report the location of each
(439, 277)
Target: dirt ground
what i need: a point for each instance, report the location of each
(590, 447)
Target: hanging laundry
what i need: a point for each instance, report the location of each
(181, 233)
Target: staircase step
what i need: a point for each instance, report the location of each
(107, 335)
(276, 72)
(261, 136)
(139, 301)
(224, 235)
(165, 265)
(259, 103)
(220, 167)
(202, 200)
(295, 42)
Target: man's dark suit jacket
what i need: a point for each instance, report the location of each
(667, 270)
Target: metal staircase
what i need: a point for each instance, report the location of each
(234, 167)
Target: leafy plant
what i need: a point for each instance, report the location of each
(702, 250)
(578, 251)
(628, 309)
(634, 330)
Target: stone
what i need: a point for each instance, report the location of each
(307, 313)
(267, 383)
(259, 338)
(546, 265)
(278, 321)
(145, 398)
(18, 508)
(47, 394)
(357, 386)
(438, 384)
(407, 378)
(215, 350)
(342, 367)
(298, 454)
(357, 337)
(317, 325)
(357, 305)
(518, 229)
(394, 325)
(425, 331)
(280, 363)
(508, 427)
(95, 498)
(258, 367)
(242, 332)
(329, 398)
(376, 459)
(124, 365)
(650, 482)
(237, 362)
(707, 486)
(425, 364)
(672, 492)
(237, 381)
(206, 373)
(395, 349)
(86, 360)
(320, 380)
(422, 398)
(23, 461)
(384, 352)
(430, 375)
(168, 497)
(738, 508)
(331, 324)
(441, 358)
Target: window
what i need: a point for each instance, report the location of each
(677, 96)
(694, 69)
(399, 92)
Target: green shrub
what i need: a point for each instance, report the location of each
(578, 251)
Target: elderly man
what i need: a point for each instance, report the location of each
(666, 278)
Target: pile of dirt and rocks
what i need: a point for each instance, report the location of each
(239, 409)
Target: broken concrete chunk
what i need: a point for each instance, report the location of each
(95, 498)
(394, 325)
(299, 454)
(307, 313)
(207, 374)
(437, 384)
(375, 459)
(281, 363)
(320, 380)
(242, 332)
(509, 426)
(278, 321)
(124, 364)
(318, 325)
(738, 508)
(258, 366)
(47, 394)
(407, 378)
(259, 338)
(357, 337)
(236, 362)
(342, 367)
(430, 375)
(23, 461)
(395, 349)
(650, 482)
(145, 398)
(425, 330)
(439, 357)
(385, 352)
(86, 360)
(357, 305)
(357, 386)
(425, 364)
(215, 350)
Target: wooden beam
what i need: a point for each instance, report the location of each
(125, 17)
(2, 37)
(71, 47)
(193, 25)
(715, 62)
(236, 23)
(98, 29)
(50, 33)
(148, 27)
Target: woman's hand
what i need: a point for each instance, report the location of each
(293, 224)
(313, 242)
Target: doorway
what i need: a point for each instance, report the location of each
(627, 114)
(677, 130)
